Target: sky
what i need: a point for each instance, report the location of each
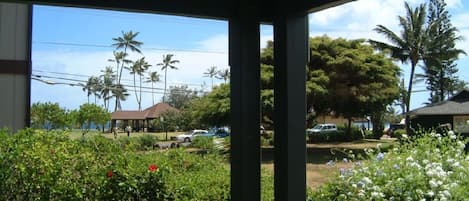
(71, 44)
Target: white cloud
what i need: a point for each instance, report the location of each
(215, 43)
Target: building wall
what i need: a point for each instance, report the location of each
(14, 65)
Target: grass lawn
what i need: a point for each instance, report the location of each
(317, 171)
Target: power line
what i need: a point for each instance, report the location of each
(84, 81)
(110, 46)
(87, 76)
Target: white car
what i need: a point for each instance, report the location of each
(188, 137)
(321, 128)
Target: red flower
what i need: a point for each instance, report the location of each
(109, 173)
(152, 167)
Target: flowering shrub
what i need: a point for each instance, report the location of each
(430, 167)
(38, 165)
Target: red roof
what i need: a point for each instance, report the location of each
(152, 112)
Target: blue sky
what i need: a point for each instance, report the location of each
(72, 43)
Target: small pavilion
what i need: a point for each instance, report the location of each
(140, 119)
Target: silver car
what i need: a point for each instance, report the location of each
(188, 137)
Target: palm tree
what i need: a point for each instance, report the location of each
(126, 41)
(167, 63)
(121, 61)
(223, 74)
(93, 86)
(211, 72)
(409, 46)
(153, 77)
(108, 77)
(119, 92)
(138, 68)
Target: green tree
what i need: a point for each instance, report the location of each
(348, 78)
(211, 73)
(441, 53)
(212, 109)
(126, 41)
(138, 68)
(153, 77)
(168, 121)
(180, 97)
(92, 114)
(409, 46)
(168, 62)
(48, 116)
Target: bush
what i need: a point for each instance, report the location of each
(205, 143)
(147, 141)
(432, 167)
(398, 133)
(37, 165)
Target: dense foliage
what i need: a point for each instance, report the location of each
(48, 116)
(432, 167)
(39, 165)
(212, 109)
(340, 73)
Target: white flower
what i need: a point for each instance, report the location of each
(433, 183)
(409, 159)
(430, 193)
(446, 193)
(461, 145)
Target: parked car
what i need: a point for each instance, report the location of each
(321, 128)
(188, 137)
(220, 132)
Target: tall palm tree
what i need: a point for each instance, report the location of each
(168, 62)
(223, 74)
(126, 41)
(121, 62)
(108, 77)
(138, 68)
(409, 46)
(211, 72)
(153, 77)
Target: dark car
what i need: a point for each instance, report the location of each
(220, 132)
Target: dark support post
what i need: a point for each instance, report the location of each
(244, 55)
(290, 54)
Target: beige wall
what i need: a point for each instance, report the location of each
(14, 45)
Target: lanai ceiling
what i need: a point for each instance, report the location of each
(217, 9)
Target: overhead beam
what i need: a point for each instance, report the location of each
(213, 9)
